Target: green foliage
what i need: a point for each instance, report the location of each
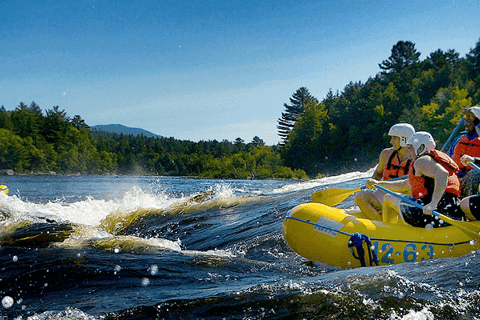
(32, 142)
(347, 130)
(206, 159)
(298, 102)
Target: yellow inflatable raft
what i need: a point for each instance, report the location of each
(337, 238)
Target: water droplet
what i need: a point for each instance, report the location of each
(153, 269)
(15, 258)
(7, 302)
(145, 282)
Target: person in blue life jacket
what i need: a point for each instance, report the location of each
(468, 143)
(471, 205)
(393, 162)
(433, 182)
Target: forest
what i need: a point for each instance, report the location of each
(344, 131)
(50, 142)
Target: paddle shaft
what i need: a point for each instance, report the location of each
(474, 166)
(407, 200)
(333, 196)
(454, 133)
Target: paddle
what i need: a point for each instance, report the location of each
(454, 133)
(334, 196)
(467, 227)
(474, 166)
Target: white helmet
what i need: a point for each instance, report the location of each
(476, 111)
(402, 130)
(422, 138)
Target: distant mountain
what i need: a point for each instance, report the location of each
(118, 128)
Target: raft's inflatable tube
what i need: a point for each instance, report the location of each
(322, 233)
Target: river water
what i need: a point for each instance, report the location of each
(115, 247)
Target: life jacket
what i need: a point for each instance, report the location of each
(466, 146)
(394, 168)
(423, 186)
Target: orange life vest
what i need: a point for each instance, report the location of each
(394, 168)
(466, 146)
(423, 186)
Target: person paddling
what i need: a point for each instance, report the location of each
(468, 144)
(392, 163)
(471, 204)
(433, 183)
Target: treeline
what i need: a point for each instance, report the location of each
(32, 141)
(347, 130)
(207, 159)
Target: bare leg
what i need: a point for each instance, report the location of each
(391, 210)
(465, 206)
(369, 204)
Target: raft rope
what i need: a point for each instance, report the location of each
(357, 240)
(378, 239)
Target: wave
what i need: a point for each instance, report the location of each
(110, 225)
(325, 181)
(137, 220)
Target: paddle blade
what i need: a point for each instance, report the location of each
(471, 229)
(333, 196)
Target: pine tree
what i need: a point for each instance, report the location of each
(298, 101)
(403, 55)
(473, 62)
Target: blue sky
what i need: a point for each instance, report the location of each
(204, 70)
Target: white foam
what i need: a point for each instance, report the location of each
(88, 212)
(324, 181)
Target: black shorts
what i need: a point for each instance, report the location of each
(449, 205)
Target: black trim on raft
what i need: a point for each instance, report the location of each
(378, 239)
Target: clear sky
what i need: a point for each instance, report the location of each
(208, 69)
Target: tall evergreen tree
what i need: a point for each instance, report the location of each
(298, 101)
(27, 120)
(403, 55)
(473, 62)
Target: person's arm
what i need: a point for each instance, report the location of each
(428, 167)
(401, 186)
(466, 159)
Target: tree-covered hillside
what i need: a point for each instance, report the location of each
(347, 130)
(32, 141)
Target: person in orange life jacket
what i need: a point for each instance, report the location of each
(471, 205)
(433, 182)
(392, 163)
(468, 144)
